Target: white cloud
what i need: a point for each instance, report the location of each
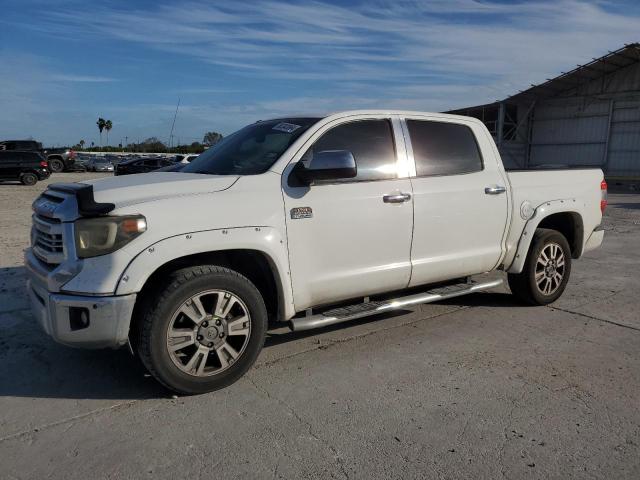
(403, 42)
(418, 54)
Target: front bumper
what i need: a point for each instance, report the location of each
(82, 321)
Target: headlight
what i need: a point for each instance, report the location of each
(103, 235)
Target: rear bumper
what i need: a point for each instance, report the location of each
(82, 321)
(43, 173)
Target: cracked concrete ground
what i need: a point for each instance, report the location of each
(478, 387)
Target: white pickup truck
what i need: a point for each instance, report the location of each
(305, 220)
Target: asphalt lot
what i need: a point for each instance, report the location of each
(478, 387)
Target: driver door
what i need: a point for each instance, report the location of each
(351, 237)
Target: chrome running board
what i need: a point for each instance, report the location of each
(360, 310)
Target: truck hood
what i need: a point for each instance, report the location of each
(129, 190)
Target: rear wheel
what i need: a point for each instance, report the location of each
(546, 269)
(56, 165)
(204, 329)
(28, 178)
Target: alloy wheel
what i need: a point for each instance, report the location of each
(550, 269)
(208, 333)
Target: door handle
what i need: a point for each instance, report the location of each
(495, 190)
(396, 198)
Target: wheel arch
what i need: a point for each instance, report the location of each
(255, 265)
(255, 252)
(562, 216)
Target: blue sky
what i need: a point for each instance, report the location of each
(66, 62)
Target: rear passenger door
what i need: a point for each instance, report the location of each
(460, 199)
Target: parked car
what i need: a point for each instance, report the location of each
(99, 164)
(26, 166)
(60, 159)
(141, 165)
(188, 158)
(306, 221)
(103, 166)
(176, 167)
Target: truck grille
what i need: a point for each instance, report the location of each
(47, 240)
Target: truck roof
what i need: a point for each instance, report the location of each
(348, 113)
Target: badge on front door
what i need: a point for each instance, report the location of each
(301, 212)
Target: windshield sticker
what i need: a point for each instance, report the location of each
(286, 127)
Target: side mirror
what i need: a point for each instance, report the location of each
(327, 165)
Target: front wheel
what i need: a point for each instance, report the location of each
(546, 269)
(203, 330)
(56, 165)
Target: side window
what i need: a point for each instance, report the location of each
(441, 148)
(370, 142)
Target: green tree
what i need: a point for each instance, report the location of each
(152, 144)
(101, 124)
(211, 138)
(108, 126)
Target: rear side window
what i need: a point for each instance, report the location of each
(370, 142)
(443, 148)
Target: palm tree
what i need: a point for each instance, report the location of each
(108, 126)
(101, 124)
(81, 143)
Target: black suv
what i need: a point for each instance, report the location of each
(28, 167)
(59, 159)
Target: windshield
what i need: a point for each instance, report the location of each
(251, 150)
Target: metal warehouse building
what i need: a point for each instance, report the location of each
(589, 116)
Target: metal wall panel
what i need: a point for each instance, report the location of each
(570, 131)
(623, 156)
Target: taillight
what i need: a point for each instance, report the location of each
(44, 164)
(603, 196)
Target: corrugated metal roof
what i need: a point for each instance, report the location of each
(567, 81)
(594, 70)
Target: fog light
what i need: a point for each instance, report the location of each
(78, 318)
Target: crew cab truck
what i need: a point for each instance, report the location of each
(305, 220)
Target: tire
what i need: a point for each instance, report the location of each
(175, 318)
(551, 269)
(28, 179)
(56, 165)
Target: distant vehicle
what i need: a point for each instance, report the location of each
(99, 164)
(59, 158)
(186, 158)
(141, 165)
(27, 167)
(176, 167)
